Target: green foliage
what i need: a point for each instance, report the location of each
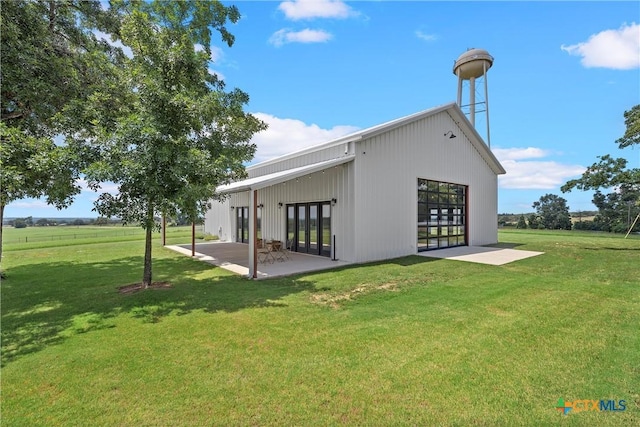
(19, 223)
(522, 223)
(181, 134)
(49, 59)
(618, 208)
(534, 221)
(35, 167)
(553, 212)
(632, 134)
(606, 173)
(51, 62)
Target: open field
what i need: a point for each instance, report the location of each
(409, 341)
(49, 237)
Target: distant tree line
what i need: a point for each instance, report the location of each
(45, 222)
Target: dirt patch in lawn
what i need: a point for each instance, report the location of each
(334, 300)
(137, 287)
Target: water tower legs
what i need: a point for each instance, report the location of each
(472, 101)
(486, 103)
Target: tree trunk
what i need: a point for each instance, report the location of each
(146, 278)
(1, 228)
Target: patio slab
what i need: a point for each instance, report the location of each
(235, 257)
(481, 254)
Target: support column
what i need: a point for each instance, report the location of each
(459, 88)
(253, 234)
(472, 100)
(486, 100)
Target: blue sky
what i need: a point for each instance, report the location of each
(564, 73)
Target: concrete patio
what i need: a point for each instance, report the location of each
(235, 257)
(481, 254)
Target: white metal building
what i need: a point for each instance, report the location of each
(421, 182)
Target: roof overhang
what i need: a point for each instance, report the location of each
(268, 180)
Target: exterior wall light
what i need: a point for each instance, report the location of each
(279, 205)
(450, 134)
(334, 201)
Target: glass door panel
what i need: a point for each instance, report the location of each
(302, 229)
(313, 229)
(242, 224)
(291, 224)
(326, 230)
(245, 225)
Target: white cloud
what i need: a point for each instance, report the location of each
(537, 175)
(30, 204)
(106, 37)
(288, 135)
(519, 153)
(426, 37)
(309, 9)
(105, 187)
(305, 36)
(618, 49)
(216, 53)
(533, 174)
(216, 73)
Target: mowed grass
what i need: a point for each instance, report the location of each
(410, 341)
(50, 237)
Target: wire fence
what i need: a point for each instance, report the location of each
(72, 236)
(79, 234)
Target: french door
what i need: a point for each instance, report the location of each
(242, 224)
(309, 227)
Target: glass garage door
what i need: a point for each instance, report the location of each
(442, 210)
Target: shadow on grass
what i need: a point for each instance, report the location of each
(609, 248)
(504, 245)
(46, 303)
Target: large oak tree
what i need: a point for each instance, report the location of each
(617, 187)
(52, 62)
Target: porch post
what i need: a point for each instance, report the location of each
(253, 234)
(193, 239)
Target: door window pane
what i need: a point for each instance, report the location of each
(313, 229)
(302, 228)
(245, 225)
(291, 223)
(326, 229)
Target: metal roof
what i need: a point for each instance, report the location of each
(279, 177)
(452, 109)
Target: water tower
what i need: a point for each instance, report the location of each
(472, 65)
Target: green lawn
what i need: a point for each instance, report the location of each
(410, 341)
(50, 237)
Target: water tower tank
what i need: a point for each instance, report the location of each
(471, 65)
